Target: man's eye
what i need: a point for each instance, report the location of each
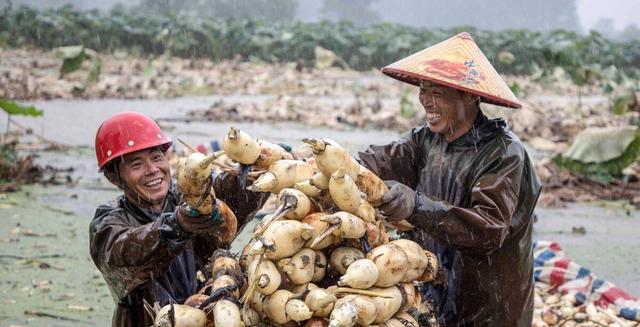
(157, 157)
(135, 165)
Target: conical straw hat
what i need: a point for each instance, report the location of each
(457, 63)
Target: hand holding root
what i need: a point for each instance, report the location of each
(205, 214)
(220, 222)
(398, 203)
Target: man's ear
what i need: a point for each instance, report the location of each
(113, 177)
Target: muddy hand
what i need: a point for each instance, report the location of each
(194, 222)
(398, 203)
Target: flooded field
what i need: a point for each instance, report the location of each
(48, 278)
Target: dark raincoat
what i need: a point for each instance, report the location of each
(474, 206)
(149, 257)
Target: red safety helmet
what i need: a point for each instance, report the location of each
(127, 132)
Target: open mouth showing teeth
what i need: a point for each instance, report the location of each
(153, 183)
(433, 117)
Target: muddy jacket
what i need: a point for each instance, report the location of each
(474, 206)
(149, 257)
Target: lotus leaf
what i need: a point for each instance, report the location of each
(597, 145)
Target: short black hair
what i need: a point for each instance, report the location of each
(112, 173)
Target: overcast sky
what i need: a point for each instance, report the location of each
(623, 12)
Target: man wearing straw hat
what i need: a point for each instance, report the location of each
(466, 184)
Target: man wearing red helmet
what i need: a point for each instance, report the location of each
(147, 246)
(466, 184)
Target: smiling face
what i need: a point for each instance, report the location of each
(146, 176)
(450, 112)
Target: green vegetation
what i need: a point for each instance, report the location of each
(73, 57)
(12, 108)
(362, 47)
(13, 168)
(602, 154)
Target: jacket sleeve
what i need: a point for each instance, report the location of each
(484, 225)
(131, 256)
(244, 203)
(400, 160)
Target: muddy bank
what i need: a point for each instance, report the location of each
(34, 74)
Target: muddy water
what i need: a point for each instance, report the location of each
(74, 122)
(52, 273)
(45, 265)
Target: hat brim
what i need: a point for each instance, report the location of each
(414, 79)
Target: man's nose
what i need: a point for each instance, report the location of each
(151, 167)
(426, 100)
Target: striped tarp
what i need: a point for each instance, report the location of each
(567, 277)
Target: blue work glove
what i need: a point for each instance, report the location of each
(398, 203)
